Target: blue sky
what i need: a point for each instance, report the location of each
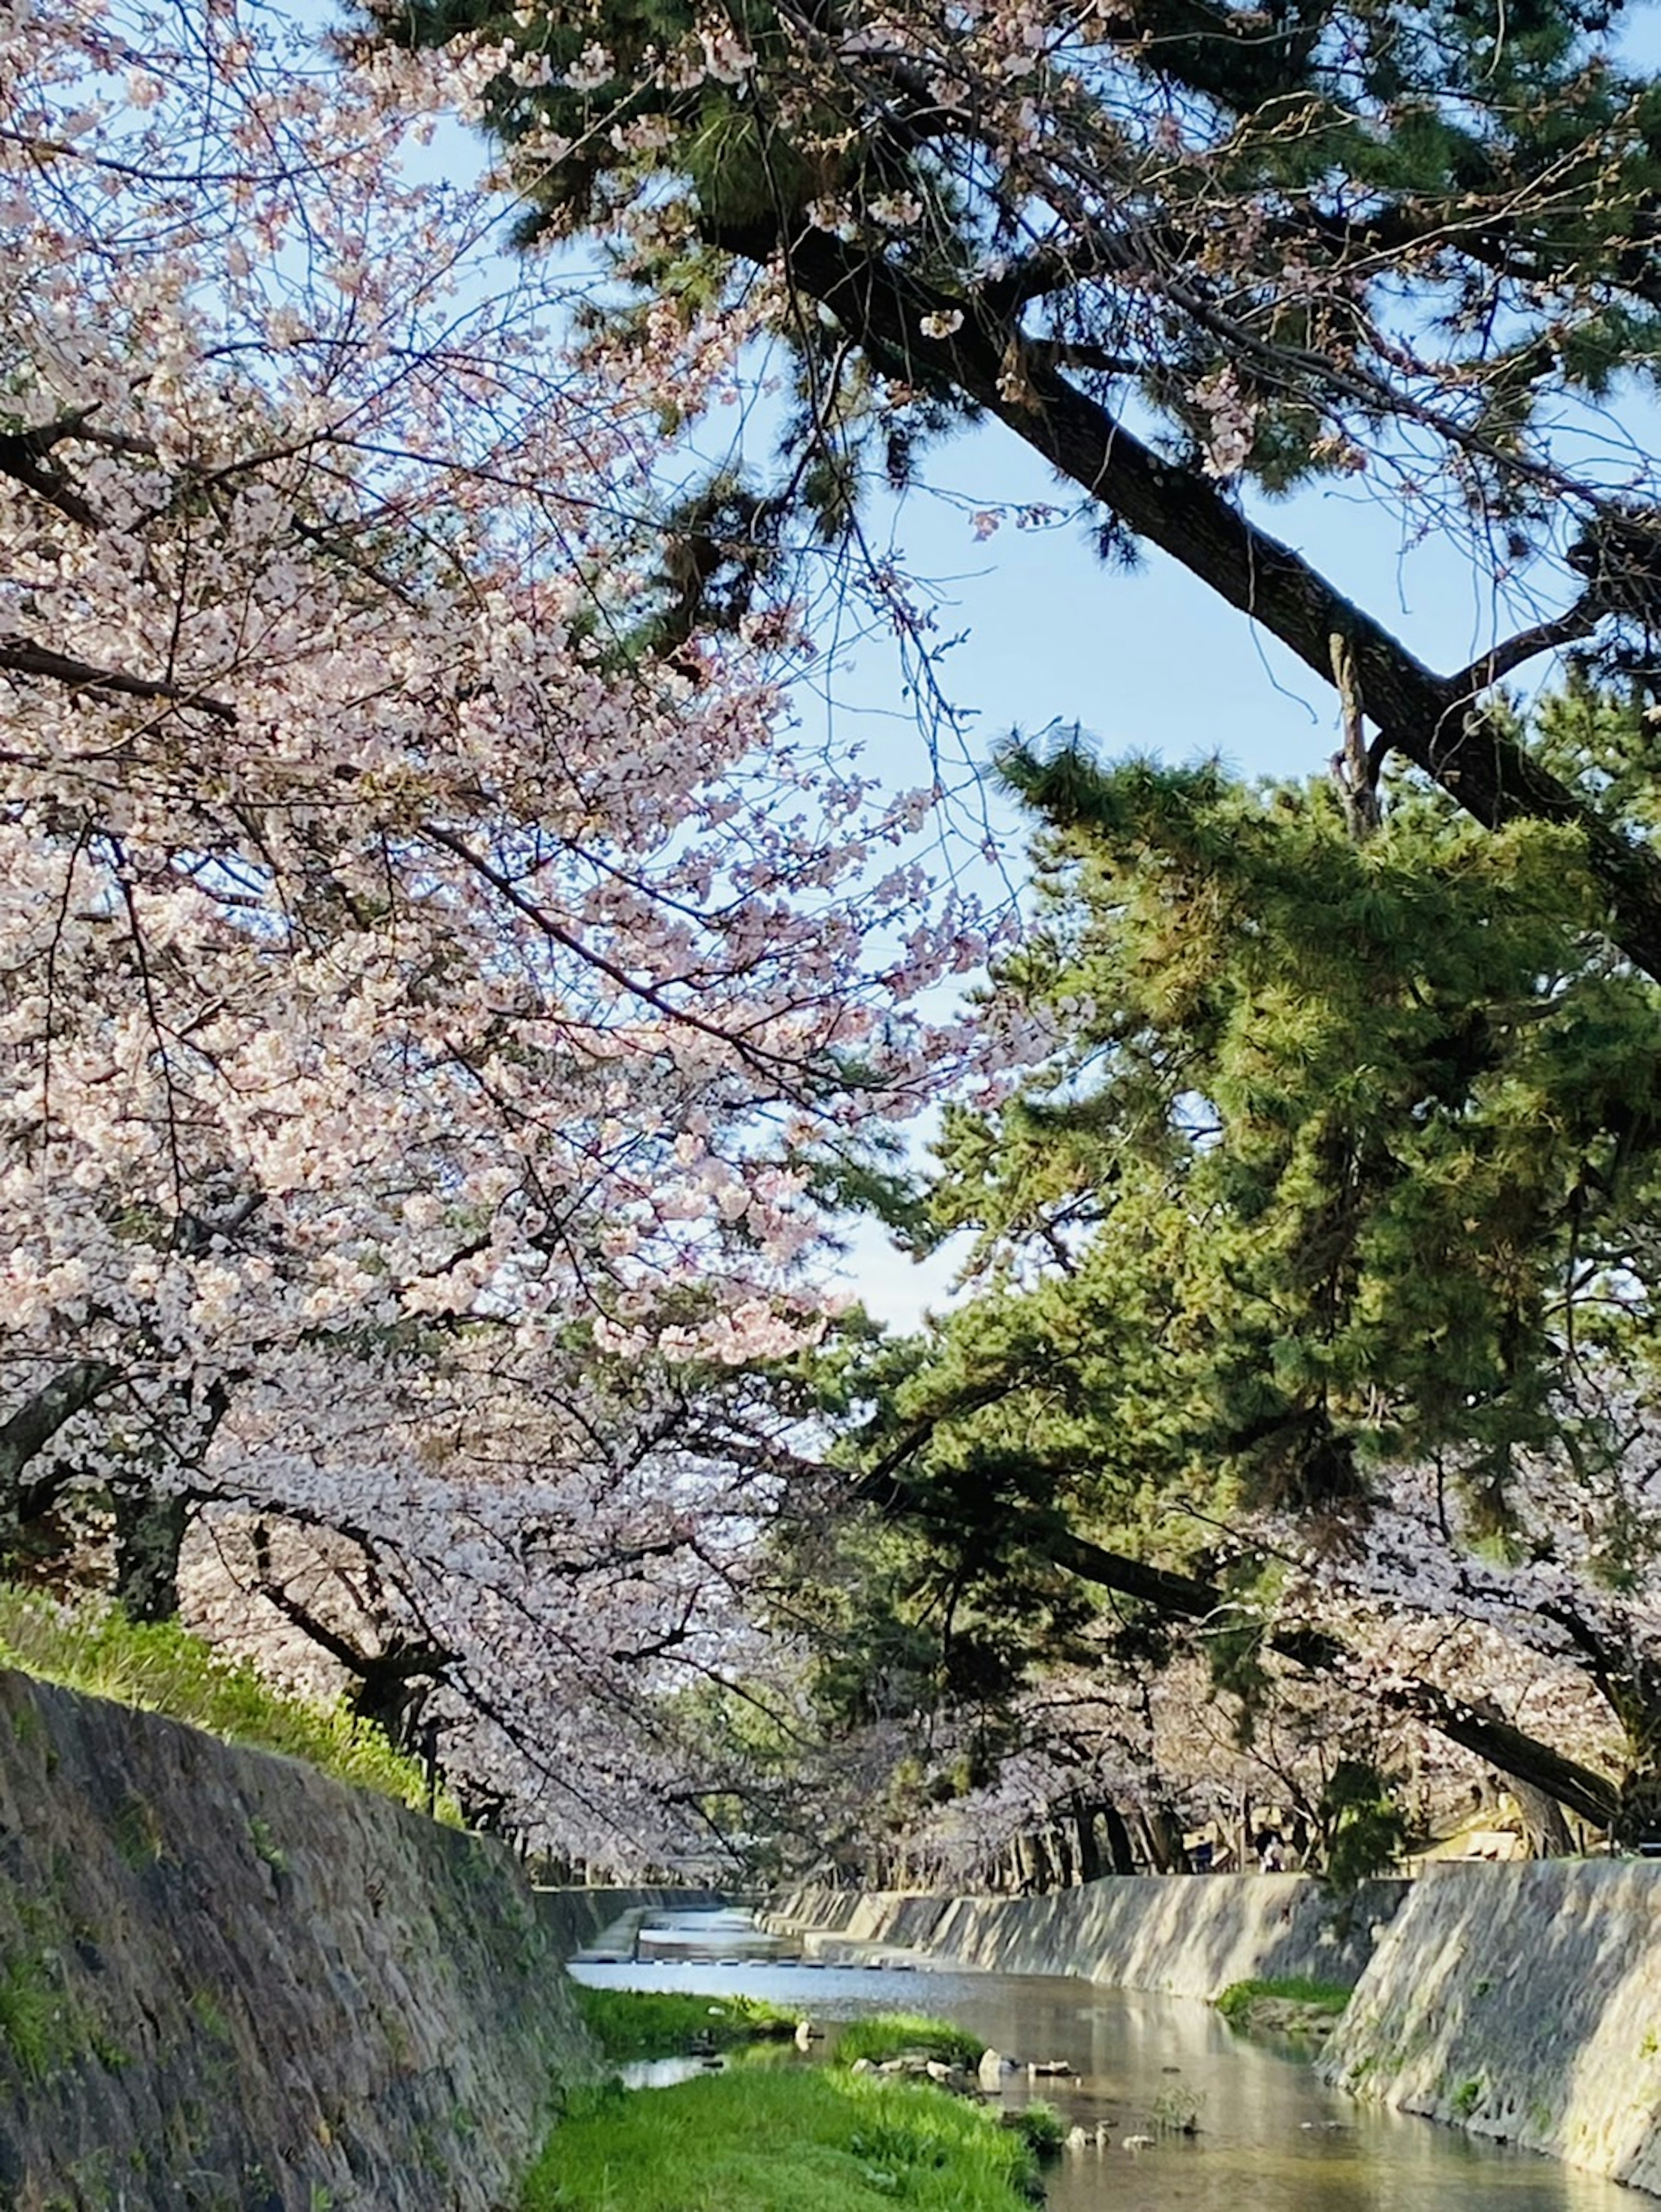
(1152, 663)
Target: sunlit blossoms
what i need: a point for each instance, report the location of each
(424, 1002)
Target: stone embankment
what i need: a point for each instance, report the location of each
(1523, 2002)
(228, 1984)
(1184, 1938)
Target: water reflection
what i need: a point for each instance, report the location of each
(1270, 2138)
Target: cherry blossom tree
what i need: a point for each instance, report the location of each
(1397, 1668)
(429, 1000)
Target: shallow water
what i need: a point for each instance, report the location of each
(1269, 2138)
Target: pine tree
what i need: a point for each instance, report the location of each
(1347, 1161)
(1188, 253)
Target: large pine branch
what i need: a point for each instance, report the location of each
(1316, 1651)
(1430, 719)
(1184, 1597)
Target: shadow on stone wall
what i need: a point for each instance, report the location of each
(1523, 2002)
(228, 1981)
(1187, 1936)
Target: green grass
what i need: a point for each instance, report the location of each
(888, 2033)
(1236, 2001)
(1040, 2127)
(35, 2021)
(813, 2140)
(163, 1669)
(665, 2024)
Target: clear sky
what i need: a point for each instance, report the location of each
(1152, 661)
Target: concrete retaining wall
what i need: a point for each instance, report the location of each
(1522, 2003)
(572, 1918)
(1187, 1938)
(228, 1984)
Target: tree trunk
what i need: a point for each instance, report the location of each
(149, 1535)
(1162, 1834)
(1086, 1845)
(1636, 1826)
(386, 1694)
(1545, 1832)
(1121, 1858)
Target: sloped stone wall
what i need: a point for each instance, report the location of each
(1522, 2003)
(228, 1984)
(1188, 1937)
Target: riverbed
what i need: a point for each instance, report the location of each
(1267, 2137)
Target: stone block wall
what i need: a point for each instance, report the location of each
(228, 1984)
(1184, 1937)
(1523, 2002)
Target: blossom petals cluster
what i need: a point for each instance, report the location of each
(422, 1001)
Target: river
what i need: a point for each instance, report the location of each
(1269, 2137)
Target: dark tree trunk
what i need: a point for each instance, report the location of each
(1545, 1832)
(1029, 1866)
(386, 1694)
(150, 1536)
(1636, 1826)
(1086, 1845)
(1122, 1858)
(390, 1687)
(1162, 1834)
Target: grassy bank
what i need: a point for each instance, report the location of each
(812, 2139)
(887, 2034)
(665, 2024)
(794, 2138)
(95, 1649)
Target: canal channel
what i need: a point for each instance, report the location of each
(1228, 2125)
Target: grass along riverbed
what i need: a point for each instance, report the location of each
(668, 2024)
(1294, 2004)
(889, 2034)
(766, 2137)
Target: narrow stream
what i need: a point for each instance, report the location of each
(1269, 2137)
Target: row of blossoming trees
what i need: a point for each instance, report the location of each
(1313, 1327)
(443, 992)
(422, 1001)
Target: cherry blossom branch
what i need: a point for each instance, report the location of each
(24, 657)
(28, 1432)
